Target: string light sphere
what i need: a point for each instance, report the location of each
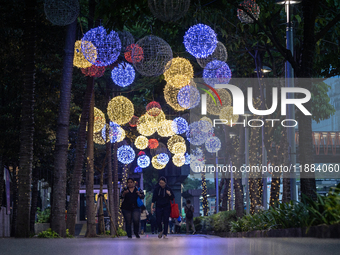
(157, 56)
(163, 158)
(204, 125)
(99, 120)
(146, 129)
(196, 165)
(178, 148)
(170, 96)
(125, 154)
(227, 114)
(195, 134)
(200, 41)
(188, 97)
(156, 164)
(141, 142)
(220, 54)
(187, 158)
(123, 75)
(61, 12)
(141, 153)
(153, 143)
(108, 46)
(197, 153)
(178, 160)
(213, 144)
(164, 128)
(122, 135)
(126, 39)
(153, 108)
(252, 8)
(120, 110)
(216, 72)
(138, 169)
(79, 60)
(179, 73)
(98, 139)
(94, 71)
(215, 109)
(159, 118)
(134, 121)
(174, 139)
(179, 125)
(115, 132)
(139, 54)
(143, 161)
(205, 118)
(169, 10)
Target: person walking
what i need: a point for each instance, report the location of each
(162, 195)
(130, 208)
(143, 217)
(189, 217)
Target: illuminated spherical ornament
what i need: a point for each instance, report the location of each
(188, 97)
(139, 55)
(196, 165)
(79, 60)
(99, 120)
(153, 108)
(120, 110)
(147, 125)
(213, 144)
(61, 12)
(159, 118)
(195, 134)
(122, 135)
(94, 71)
(123, 75)
(252, 8)
(108, 46)
(178, 148)
(179, 125)
(170, 95)
(220, 54)
(216, 72)
(204, 125)
(156, 164)
(179, 73)
(163, 158)
(205, 118)
(141, 153)
(164, 128)
(138, 169)
(197, 153)
(126, 39)
(175, 139)
(134, 121)
(200, 40)
(157, 56)
(141, 142)
(187, 158)
(227, 114)
(160, 149)
(153, 143)
(169, 10)
(178, 160)
(125, 154)
(98, 139)
(143, 161)
(115, 132)
(215, 109)
(110, 133)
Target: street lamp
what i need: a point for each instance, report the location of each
(264, 69)
(231, 135)
(289, 75)
(246, 148)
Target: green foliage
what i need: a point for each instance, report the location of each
(219, 222)
(48, 234)
(321, 108)
(68, 234)
(193, 183)
(121, 232)
(44, 216)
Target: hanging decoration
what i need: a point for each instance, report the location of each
(94, 71)
(141, 153)
(141, 142)
(134, 121)
(179, 125)
(138, 170)
(153, 108)
(179, 73)
(139, 55)
(157, 56)
(178, 148)
(79, 60)
(196, 165)
(216, 72)
(98, 139)
(197, 153)
(169, 10)
(156, 164)
(126, 39)
(174, 139)
(205, 118)
(220, 54)
(188, 97)
(153, 143)
(120, 110)
(143, 161)
(125, 154)
(122, 135)
(163, 158)
(213, 144)
(61, 12)
(123, 75)
(252, 8)
(170, 96)
(164, 128)
(200, 40)
(99, 120)
(226, 113)
(215, 108)
(187, 158)
(108, 46)
(195, 134)
(204, 125)
(115, 132)
(178, 160)
(147, 125)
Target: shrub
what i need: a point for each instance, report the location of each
(44, 216)
(121, 232)
(48, 234)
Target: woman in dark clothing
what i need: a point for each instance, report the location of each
(162, 196)
(130, 209)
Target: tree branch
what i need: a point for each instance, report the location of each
(323, 31)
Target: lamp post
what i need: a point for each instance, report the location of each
(246, 148)
(289, 82)
(217, 204)
(231, 180)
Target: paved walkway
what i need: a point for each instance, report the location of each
(175, 244)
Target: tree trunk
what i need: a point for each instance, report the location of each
(101, 206)
(115, 185)
(2, 183)
(204, 195)
(35, 194)
(285, 175)
(60, 161)
(80, 154)
(91, 221)
(27, 122)
(110, 187)
(14, 186)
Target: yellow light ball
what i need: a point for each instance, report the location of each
(156, 164)
(215, 109)
(164, 128)
(122, 136)
(205, 118)
(170, 96)
(175, 139)
(120, 110)
(146, 129)
(178, 160)
(141, 142)
(98, 139)
(227, 114)
(99, 120)
(179, 73)
(178, 148)
(79, 60)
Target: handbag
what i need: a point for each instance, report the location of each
(139, 201)
(174, 210)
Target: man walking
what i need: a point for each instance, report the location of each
(189, 217)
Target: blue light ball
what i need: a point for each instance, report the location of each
(123, 75)
(143, 161)
(195, 134)
(200, 41)
(179, 125)
(163, 158)
(216, 72)
(188, 97)
(213, 144)
(125, 154)
(187, 158)
(115, 132)
(138, 169)
(108, 46)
